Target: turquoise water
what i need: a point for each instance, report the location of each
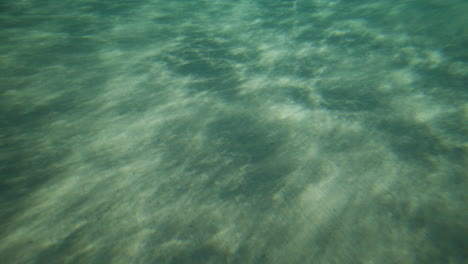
(250, 131)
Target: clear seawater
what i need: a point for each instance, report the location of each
(249, 131)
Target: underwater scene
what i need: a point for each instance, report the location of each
(233, 132)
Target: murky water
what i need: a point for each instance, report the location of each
(250, 131)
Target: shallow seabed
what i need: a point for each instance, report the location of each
(250, 131)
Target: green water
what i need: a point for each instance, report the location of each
(250, 131)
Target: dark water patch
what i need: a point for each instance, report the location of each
(454, 51)
(313, 33)
(23, 21)
(201, 61)
(451, 126)
(74, 46)
(25, 170)
(252, 147)
(118, 8)
(440, 83)
(79, 246)
(17, 72)
(259, 182)
(415, 142)
(65, 249)
(133, 43)
(17, 118)
(205, 58)
(246, 136)
(200, 66)
(83, 26)
(357, 42)
(301, 96)
(194, 237)
(198, 254)
(446, 231)
(351, 95)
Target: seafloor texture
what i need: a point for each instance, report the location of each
(249, 131)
